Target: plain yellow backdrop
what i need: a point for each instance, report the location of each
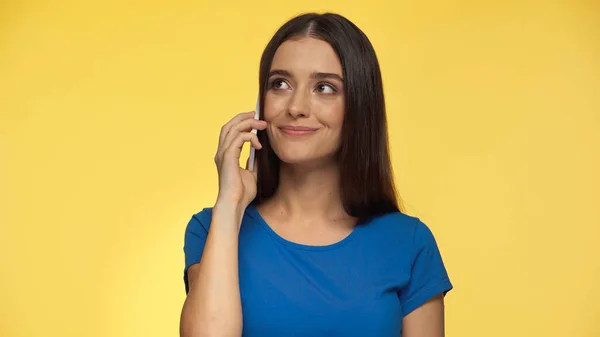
(109, 117)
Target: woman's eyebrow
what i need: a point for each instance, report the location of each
(280, 72)
(322, 76)
(315, 75)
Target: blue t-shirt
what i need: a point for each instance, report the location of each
(361, 286)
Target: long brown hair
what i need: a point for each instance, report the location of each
(366, 178)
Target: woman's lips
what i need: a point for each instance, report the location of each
(293, 130)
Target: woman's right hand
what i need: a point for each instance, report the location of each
(237, 186)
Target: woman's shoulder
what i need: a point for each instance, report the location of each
(200, 220)
(400, 226)
(204, 213)
(395, 221)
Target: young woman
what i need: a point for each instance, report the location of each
(314, 242)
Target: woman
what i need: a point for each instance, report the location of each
(313, 243)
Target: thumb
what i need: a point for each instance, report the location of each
(254, 170)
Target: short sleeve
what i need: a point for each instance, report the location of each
(428, 275)
(194, 240)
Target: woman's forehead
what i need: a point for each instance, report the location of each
(306, 56)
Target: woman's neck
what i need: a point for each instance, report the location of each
(309, 192)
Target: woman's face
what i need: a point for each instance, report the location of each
(304, 102)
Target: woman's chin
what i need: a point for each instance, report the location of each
(304, 159)
(295, 159)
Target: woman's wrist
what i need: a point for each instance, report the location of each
(228, 211)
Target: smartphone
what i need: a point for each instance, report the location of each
(252, 159)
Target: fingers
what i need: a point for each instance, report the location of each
(243, 126)
(235, 149)
(236, 132)
(235, 120)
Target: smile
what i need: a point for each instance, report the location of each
(291, 130)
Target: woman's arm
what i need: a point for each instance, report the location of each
(425, 321)
(212, 306)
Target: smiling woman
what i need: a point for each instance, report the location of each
(314, 242)
(304, 97)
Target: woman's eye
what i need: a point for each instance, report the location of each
(279, 84)
(326, 88)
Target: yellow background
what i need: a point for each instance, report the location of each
(109, 117)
